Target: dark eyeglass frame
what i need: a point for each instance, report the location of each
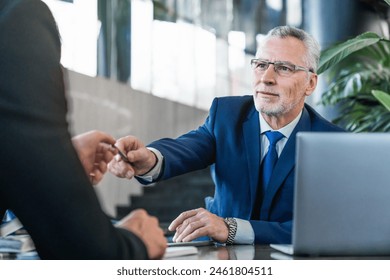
(278, 67)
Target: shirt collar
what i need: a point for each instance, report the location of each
(286, 130)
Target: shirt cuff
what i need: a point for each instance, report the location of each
(155, 172)
(245, 233)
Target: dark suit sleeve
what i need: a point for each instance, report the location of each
(41, 177)
(267, 232)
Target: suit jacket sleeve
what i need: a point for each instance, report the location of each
(41, 177)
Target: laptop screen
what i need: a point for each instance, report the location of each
(342, 194)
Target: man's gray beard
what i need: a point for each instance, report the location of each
(280, 110)
(273, 113)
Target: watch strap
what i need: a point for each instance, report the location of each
(232, 226)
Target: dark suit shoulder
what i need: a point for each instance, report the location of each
(319, 123)
(28, 20)
(234, 105)
(235, 100)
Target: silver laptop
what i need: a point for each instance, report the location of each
(342, 195)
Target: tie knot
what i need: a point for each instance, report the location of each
(273, 137)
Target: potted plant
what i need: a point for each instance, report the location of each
(359, 82)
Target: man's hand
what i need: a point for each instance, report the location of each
(141, 159)
(147, 229)
(95, 151)
(196, 223)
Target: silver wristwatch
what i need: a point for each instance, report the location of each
(232, 226)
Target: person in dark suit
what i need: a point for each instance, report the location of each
(43, 171)
(234, 140)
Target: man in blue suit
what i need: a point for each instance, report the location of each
(233, 142)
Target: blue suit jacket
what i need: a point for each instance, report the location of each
(229, 141)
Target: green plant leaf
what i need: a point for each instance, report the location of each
(382, 97)
(388, 2)
(335, 54)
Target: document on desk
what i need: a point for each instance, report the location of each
(173, 252)
(16, 244)
(10, 227)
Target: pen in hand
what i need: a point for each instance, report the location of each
(122, 155)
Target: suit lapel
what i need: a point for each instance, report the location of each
(284, 165)
(251, 135)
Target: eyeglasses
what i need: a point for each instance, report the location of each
(284, 69)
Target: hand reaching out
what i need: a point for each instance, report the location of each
(141, 160)
(95, 151)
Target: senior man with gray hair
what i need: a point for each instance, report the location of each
(249, 142)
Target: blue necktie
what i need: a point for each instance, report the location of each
(270, 158)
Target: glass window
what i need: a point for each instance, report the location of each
(185, 50)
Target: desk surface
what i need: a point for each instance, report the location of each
(234, 252)
(258, 252)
